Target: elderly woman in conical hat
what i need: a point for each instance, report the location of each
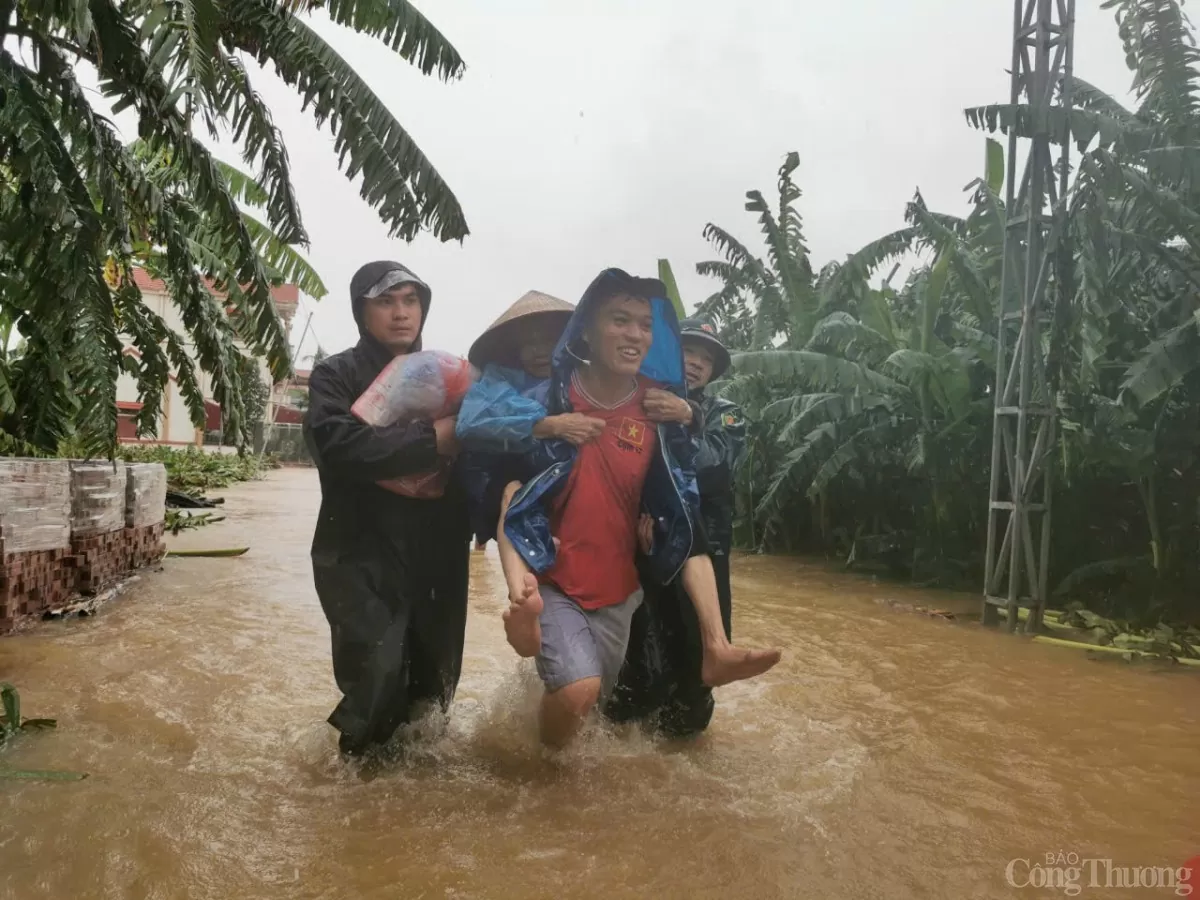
(524, 335)
(505, 411)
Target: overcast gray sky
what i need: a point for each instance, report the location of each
(608, 132)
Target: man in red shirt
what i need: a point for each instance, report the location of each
(575, 618)
(595, 517)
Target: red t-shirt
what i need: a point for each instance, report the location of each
(596, 514)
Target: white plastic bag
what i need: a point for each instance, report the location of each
(428, 385)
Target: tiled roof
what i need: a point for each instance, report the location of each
(284, 294)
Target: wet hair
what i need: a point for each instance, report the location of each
(611, 283)
(580, 348)
(616, 289)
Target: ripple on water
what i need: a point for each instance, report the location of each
(887, 755)
(489, 747)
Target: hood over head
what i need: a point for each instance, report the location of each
(377, 277)
(664, 360)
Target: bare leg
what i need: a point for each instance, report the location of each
(521, 624)
(564, 711)
(723, 662)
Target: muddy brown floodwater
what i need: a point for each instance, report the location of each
(889, 755)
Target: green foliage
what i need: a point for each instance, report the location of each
(13, 726)
(1162, 641)
(764, 302)
(667, 277)
(75, 201)
(871, 403)
(178, 520)
(195, 471)
(257, 392)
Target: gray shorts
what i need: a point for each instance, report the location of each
(580, 643)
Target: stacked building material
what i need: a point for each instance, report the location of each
(35, 532)
(97, 524)
(145, 510)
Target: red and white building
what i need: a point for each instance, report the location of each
(175, 425)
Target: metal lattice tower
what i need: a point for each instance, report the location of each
(1024, 435)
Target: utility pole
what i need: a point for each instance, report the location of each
(1024, 433)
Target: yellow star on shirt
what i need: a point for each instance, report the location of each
(632, 432)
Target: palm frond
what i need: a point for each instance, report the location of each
(400, 26)
(784, 234)
(1086, 125)
(850, 278)
(284, 262)
(1164, 363)
(397, 179)
(819, 371)
(1085, 95)
(790, 468)
(253, 127)
(242, 186)
(1162, 53)
(953, 253)
(731, 248)
(847, 451)
(850, 338)
(810, 411)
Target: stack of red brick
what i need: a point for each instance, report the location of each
(33, 583)
(97, 560)
(144, 546)
(35, 532)
(97, 524)
(71, 528)
(145, 509)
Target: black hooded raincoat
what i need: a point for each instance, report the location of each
(660, 680)
(390, 571)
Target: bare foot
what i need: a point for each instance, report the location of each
(726, 664)
(521, 623)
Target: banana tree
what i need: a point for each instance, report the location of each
(1134, 204)
(763, 302)
(219, 330)
(870, 398)
(898, 385)
(72, 195)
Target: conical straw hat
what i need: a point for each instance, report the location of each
(500, 342)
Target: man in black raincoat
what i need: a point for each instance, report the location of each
(661, 676)
(390, 571)
(722, 440)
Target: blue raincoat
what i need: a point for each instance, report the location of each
(669, 495)
(495, 429)
(499, 411)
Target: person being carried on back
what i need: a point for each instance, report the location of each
(504, 413)
(575, 522)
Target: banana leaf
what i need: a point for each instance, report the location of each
(667, 277)
(39, 723)
(228, 551)
(11, 725)
(41, 775)
(1126, 652)
(12, 711)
